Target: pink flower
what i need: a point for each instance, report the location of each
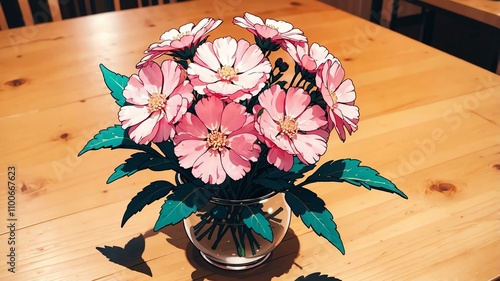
(276, 156)
(229, 69)
(174, 40)
(292, 126)
(309, 59)
(157, 99)
(339, 95)
(278, 32)
(218, 141)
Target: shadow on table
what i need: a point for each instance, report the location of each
(280, 262)
(129, 256)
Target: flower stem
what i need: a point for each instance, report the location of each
(241, 250)
(222, 231)
(293, 79)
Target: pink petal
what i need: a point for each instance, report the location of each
(144, 132)
(248, 80)
(335, 75)
(247, 56)
(318, 52)
(164, 132)
(282, 26)
(233, 118)
(312, 118)
(308, 63)
(189, 151)
(152, 77)
(280, 158)
(131, 115)
(172, 107)
(273, 99)
(134, 92)
(205, 56)
(209, 110)
(310, 146)
(243, 145)
(169, 35)
(268, 126)
(223, 88)
(209, 168)
(204, 75)
(235, 166)
(265, 31)
(296, 101)
(201, 24)
(350, 114)
(241, 48)
(253, 19)
(338, 123)
(192, 125)
(345, 92)
(183, 42)
(171, 75)
(225, 49)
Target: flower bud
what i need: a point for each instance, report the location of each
(278, 62)
(283, 67)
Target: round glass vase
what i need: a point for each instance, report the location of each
(224, 240)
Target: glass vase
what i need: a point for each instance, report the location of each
(224, 240)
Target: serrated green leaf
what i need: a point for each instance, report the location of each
(299, 167)
(255, 220)
(154, 191)
(313, 213)
(141, 161)
(131, 165)
(115, 83)
(184, 201)
(278, 180)
(348, 170)
(114, 137)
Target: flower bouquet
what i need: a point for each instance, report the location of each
(237, 136)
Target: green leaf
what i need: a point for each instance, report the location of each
(185, 200)
(255, 220)
(115, 83)
(311, 209)
(115, 137)
(317, 277)
(299, 167)
(131, 165)
(348, 170)
(154, 191)
(140, 161)
(278, 180)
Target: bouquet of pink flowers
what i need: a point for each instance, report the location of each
(218, 115)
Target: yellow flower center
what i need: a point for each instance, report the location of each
(227, 73)
(217, 140)
(156, 102)
(272, 26)
(334, 97)
(180, 35)
(289, 126)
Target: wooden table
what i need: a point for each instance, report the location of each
(429, 121)
(485, 11)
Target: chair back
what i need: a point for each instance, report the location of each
(57, 13)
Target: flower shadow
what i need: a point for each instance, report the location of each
(280, 262)
(129, 256)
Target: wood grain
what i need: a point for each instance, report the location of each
(486, 11)
(429, 121)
